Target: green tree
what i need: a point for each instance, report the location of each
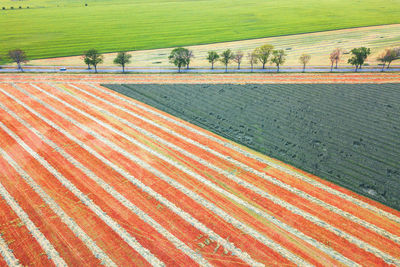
(122, 59)
(93, 57)
(226, 57)
(212, 58)
(359, 56)
(86, 60)
(278, 58)
(178, 57)
(237, 57)
(304, 59)
(252, 59)
(18, 56)
(262, 53)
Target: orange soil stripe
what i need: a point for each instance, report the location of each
(190, 163)
(350, 207)
(213, 78)
(134, 226)
(117, 159)
(387, 245)
(145, 233)
(25, 248)
(141, 153)
(107, 239)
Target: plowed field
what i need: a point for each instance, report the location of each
(90, 177)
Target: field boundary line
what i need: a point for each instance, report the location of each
(209, 205)
(145, 253)
(186, 216)
(128, 204)
(231, 160)
(250, 155)
(33, 230)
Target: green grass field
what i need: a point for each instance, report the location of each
(60, 28)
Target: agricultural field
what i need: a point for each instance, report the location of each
(64, 28)
(319, 45)
(346, 133)
(89, 176)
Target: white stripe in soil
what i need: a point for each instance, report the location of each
(97, 252)
(272, 219)
(266, 241)
(253, 156)
(50, 251)
(186, 216)
(128, 204)
(283, 251)
(145, 253)
(262, 175)
(8, 254)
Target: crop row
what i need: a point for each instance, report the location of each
(322, 135)
(168, 194)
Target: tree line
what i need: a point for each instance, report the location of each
(181, 57)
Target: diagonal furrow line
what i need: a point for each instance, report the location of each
(179, 244)
(250, 155)
(57, 209)
(220, 212)
(268, 242)
(282, 225)
(145, 253)
(186, 216)
(388, 258)
(241, 165)
(8, 254)
(248, 169)
(35, 232)
(229, 159)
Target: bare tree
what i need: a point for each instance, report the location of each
(263, 52)
(212, 58)
(237, 57)
(335, 57)
(304, 59)
(18, 56)
(383, 58)
(252, 59)
(388, 56)
(188, 56)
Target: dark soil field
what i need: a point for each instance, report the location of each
(346, 133)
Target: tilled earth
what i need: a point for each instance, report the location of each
(345, 133)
